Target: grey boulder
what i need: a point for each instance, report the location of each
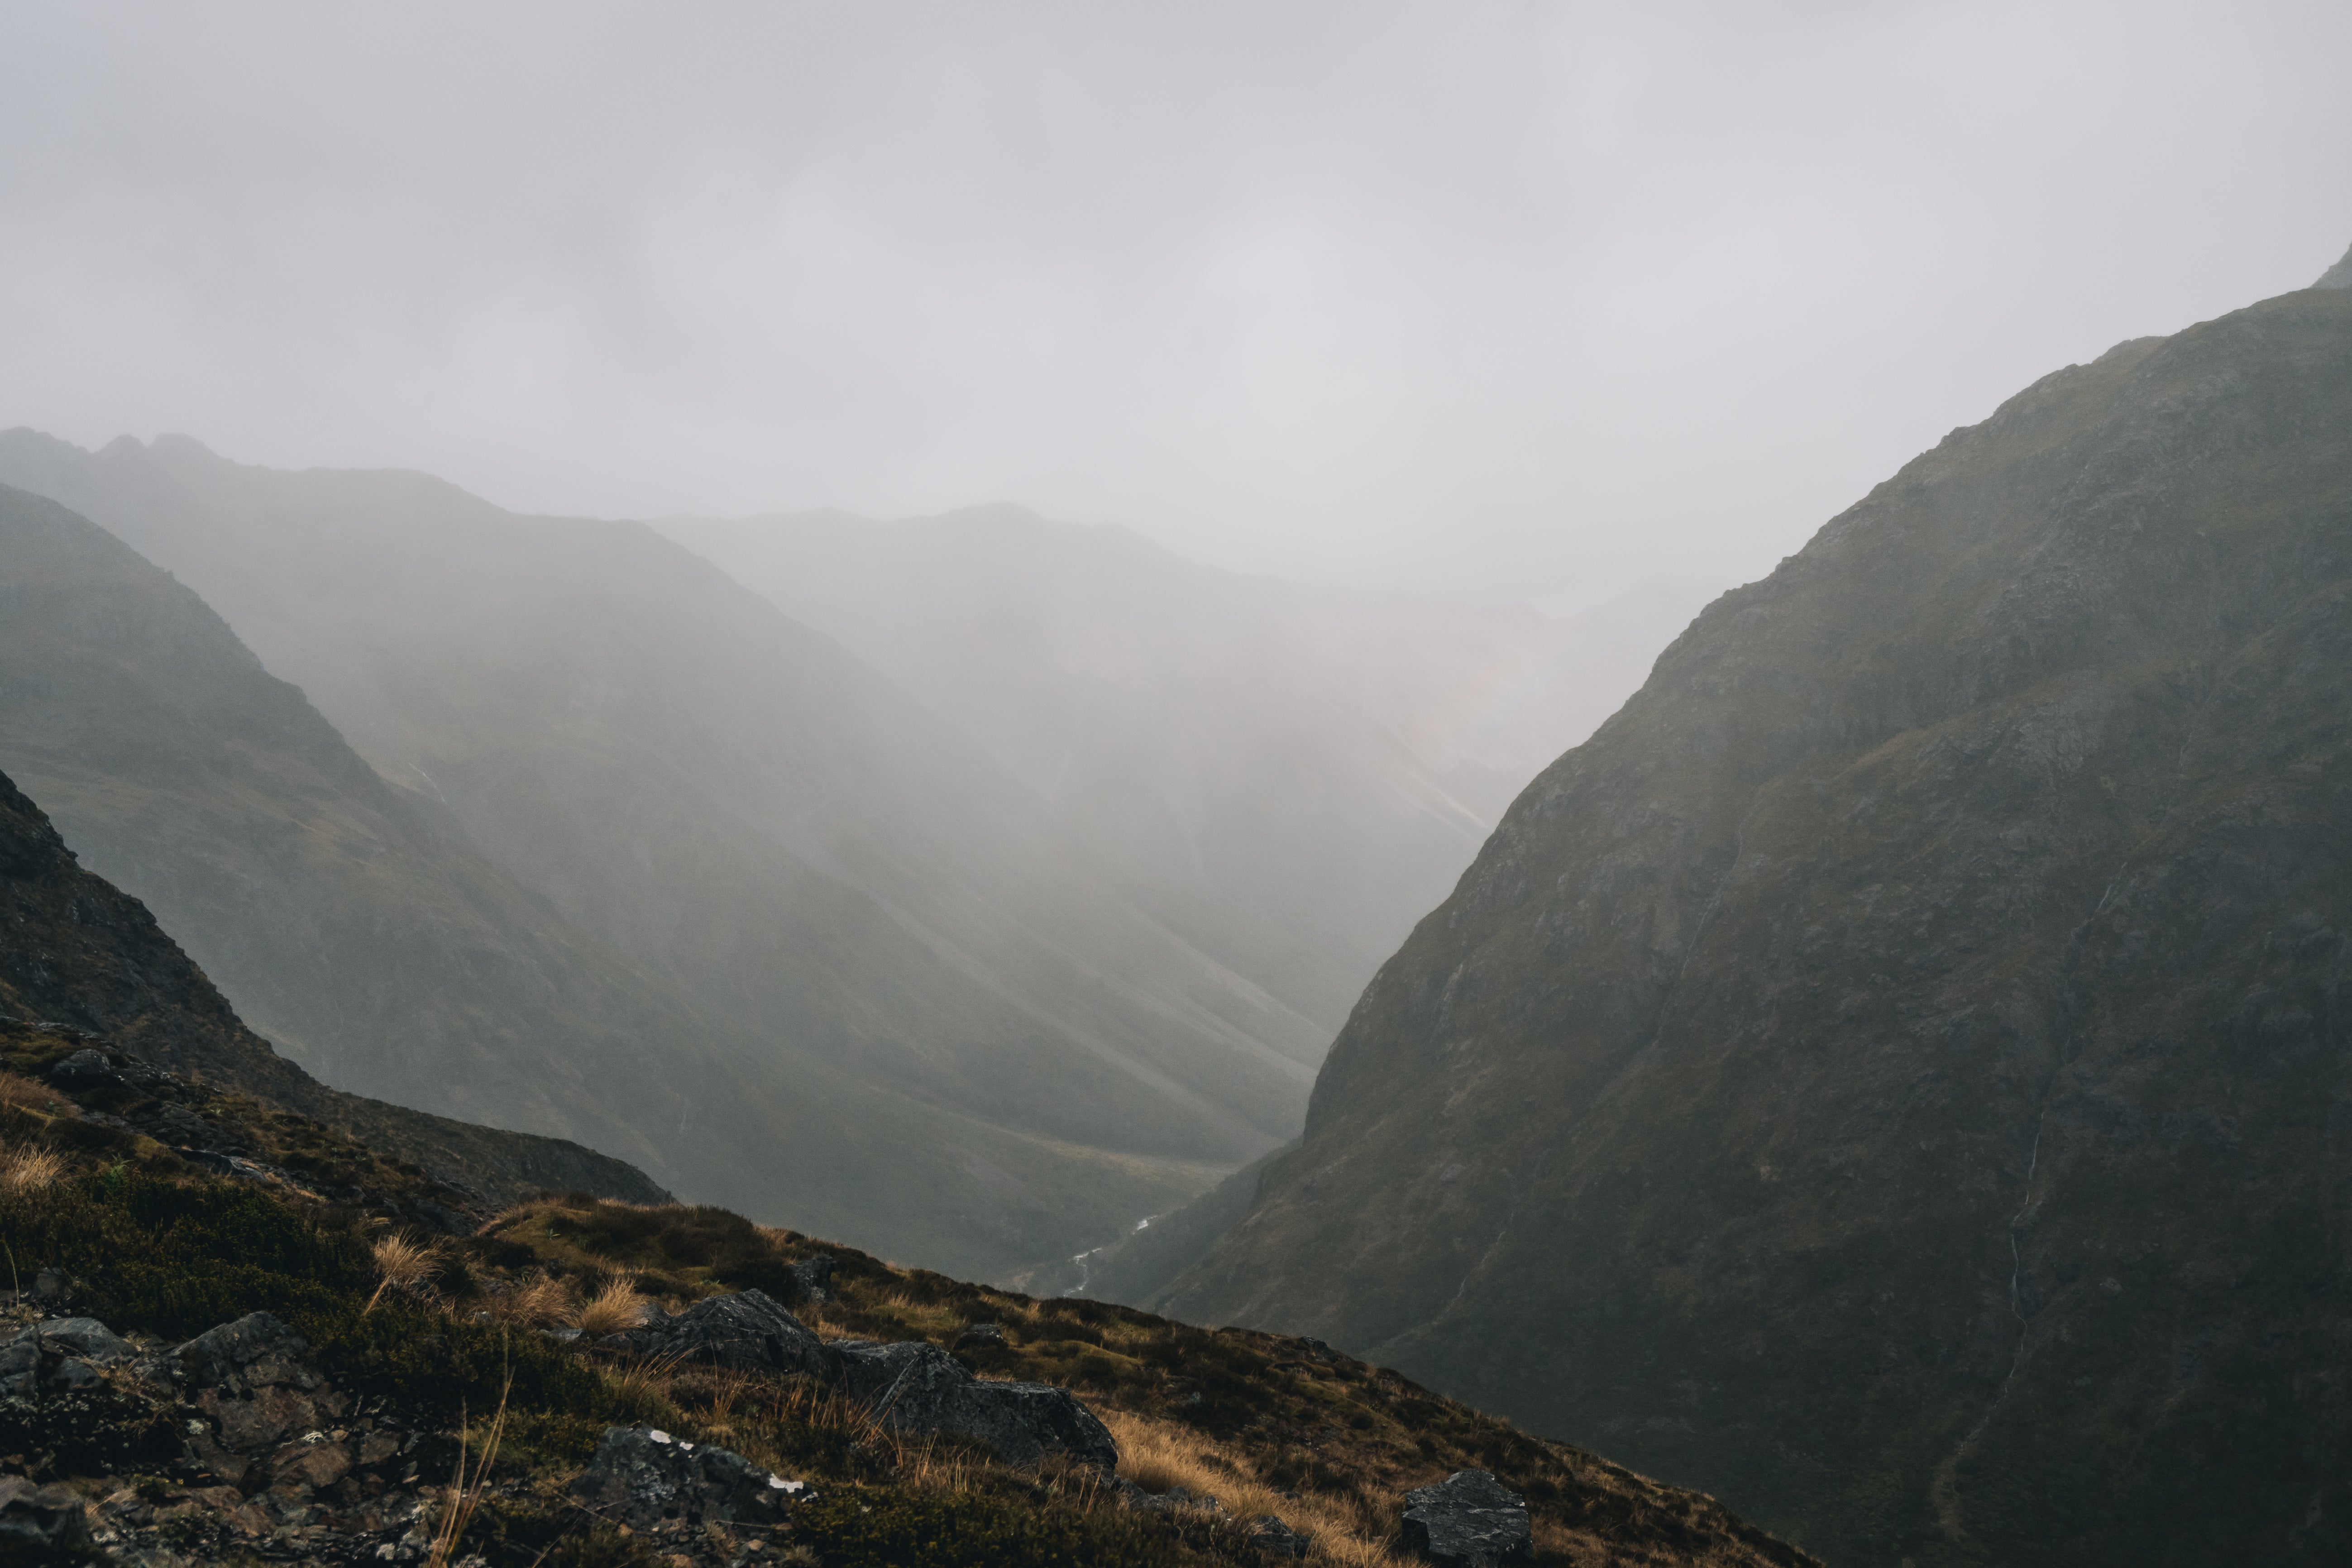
(746, 1331)
(1467, 1520)
(813, 1277)
(249, 1381)
(1276, 1538)
(59, 1352)
(658, 1486)
(42, 1524)
(918, 1387)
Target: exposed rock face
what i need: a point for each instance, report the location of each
(746, 1331)
(1467, 1520)
(1895, 1076)
(61, 1353)
(240, 1447)
(660, 1486)
(42, 1525)
(912, 1386)
(918, 1387)
(255, 1392)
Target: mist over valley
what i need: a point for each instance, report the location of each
(1509, 788)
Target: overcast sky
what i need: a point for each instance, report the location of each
(1520, 299)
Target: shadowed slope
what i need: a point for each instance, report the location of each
(76, 950)
(1892, 1076)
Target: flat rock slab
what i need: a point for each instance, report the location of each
(1469, 1521)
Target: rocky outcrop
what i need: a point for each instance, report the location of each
(745, 1331)
(228, 1446)
(918, 1387)
(1469, 1521)
(669, 1491)
(913, 1387)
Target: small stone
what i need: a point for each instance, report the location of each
(980, 1336)
(1276, 1538)
(813, 1277)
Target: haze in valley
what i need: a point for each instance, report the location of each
(890, 612)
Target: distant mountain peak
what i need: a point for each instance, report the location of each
(2338, 276)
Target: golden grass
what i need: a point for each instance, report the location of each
(1353, 1532)
(538, 1303)
(21, 1093)
(515, 1213)
(400, 1264)
(464, 1497)
(610, 1311)
(28, 1168)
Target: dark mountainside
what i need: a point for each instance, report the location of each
(1290, 775)
(1894, 1075)
(79, 953)
(980, 1052)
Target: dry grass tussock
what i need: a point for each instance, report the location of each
(28, 1168)
(21, 1093)
(400, 1264)
(514, 1212)
(460, 1503)
(1355, 1531)
(611, 1310)
(538, 1303)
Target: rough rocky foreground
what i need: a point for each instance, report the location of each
(234, 1441)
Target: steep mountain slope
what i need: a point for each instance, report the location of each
(764, 826)
(355, 921)
(1893, 1075)
(348, 921)
(1292, 774)
(79, 952)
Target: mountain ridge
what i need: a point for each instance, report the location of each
(1911, 1010)
(764, 827)
(81, 954)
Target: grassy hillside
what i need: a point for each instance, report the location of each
(154, 1246)
(1890, 1076)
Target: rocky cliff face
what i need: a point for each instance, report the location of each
(1894, 1075)
(75, 951)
